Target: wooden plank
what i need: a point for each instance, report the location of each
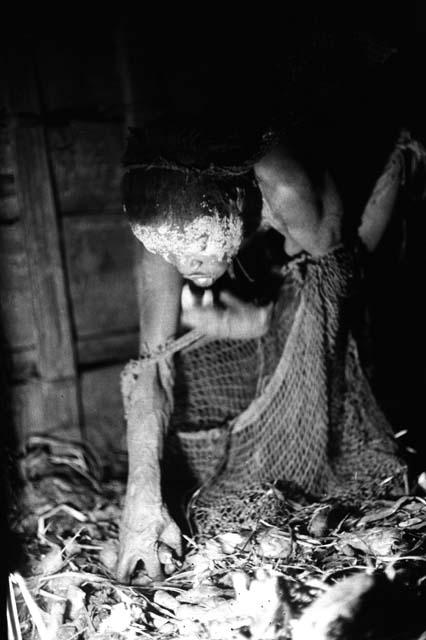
(61, 401)
(6, 157)
(27, 406)
(32, 401)
(108, 348)
(91, 350)
(104, 425)
(51, 404)
(23, 364)
(37, 204)
(99, 255)
(86, 163)
(9, 209)
(16, 307)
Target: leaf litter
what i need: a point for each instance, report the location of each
(325, 571)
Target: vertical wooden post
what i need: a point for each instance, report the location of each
(58, 383)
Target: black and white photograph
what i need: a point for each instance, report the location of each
(212, 325)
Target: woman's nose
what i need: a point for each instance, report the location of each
(194, 264)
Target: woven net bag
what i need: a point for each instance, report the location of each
(292, 407)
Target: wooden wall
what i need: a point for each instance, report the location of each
(68, 307)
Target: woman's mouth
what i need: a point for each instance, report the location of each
(201, 280)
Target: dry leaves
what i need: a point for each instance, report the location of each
(257, 583)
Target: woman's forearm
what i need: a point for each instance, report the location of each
(145, 522)
(149, 404)
(381, 204)
(145, 446)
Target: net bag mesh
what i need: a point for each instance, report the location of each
(293, 407)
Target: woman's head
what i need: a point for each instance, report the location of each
(194, 220)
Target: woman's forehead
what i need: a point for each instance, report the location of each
(210, 234)
(204, 247)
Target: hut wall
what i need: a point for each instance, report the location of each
(68, 307)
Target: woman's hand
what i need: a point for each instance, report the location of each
(147, 534)
(235, 320)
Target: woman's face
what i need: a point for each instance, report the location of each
(202, 267)
(201, 250)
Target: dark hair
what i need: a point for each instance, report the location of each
(152, 196)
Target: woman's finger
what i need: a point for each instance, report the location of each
(187, 299)
(152, 564)
(172, 537)
(207, 299)
(126, 566)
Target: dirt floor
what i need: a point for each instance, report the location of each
(320, 571)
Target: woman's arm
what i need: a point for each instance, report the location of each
(381, 205)
(302, 204)
(159, 286)
(145, 522)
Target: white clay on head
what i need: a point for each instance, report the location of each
(210, 235)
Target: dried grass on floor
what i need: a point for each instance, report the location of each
(255, 582)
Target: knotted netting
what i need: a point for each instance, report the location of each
(292, 407)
